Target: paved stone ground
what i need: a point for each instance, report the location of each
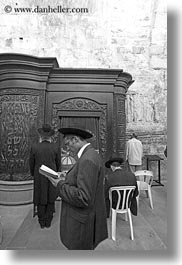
(22, 232)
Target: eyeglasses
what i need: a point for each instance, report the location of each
(68, 143)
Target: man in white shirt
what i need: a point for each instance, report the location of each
(134, 153)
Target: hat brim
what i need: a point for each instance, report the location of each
(76, 131)
(110, 161)
(43, 133)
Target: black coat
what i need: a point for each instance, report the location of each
(48, 154)
(120, 177)
(83, 222)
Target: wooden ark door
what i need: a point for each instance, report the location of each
(91, 113)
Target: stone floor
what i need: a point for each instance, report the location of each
(22, 232)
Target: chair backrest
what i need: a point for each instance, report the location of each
(124, 194)
(145, 176)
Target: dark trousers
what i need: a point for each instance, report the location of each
(45, 213)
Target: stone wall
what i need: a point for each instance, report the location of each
(121, 34)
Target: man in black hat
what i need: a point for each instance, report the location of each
(48, 154)
(83, 223)
(119, 177)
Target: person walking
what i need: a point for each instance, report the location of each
(119, 177)
(134, 153)
(83, 222)
(44, 193)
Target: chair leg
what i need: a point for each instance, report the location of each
(137, 199)
(113, 225)
(150, 197)
(126, 217)
(110, 212)
(131, 225)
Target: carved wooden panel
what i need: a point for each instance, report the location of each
(114, 149)
(21, 112)
(119, 123)
(83, 106)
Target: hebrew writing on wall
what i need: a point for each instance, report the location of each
(18, 120)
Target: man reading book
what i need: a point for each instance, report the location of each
(83, 223)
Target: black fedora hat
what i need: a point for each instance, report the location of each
(114, 158)
(76, 130)
(46, 130)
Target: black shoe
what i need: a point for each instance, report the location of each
(42, 225)
(47, 224)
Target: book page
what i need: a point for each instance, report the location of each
(48, 172)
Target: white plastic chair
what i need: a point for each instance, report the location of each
(121, 207)
(144, 182)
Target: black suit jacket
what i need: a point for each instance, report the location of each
(83, 221)
(48, 154)
(120, 177)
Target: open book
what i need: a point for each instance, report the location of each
(48, 172)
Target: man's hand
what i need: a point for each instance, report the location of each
(55, 181)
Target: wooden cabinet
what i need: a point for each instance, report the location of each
(35, 90)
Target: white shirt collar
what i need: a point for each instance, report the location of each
(82, 149)
(115, 168)
(47, 140)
